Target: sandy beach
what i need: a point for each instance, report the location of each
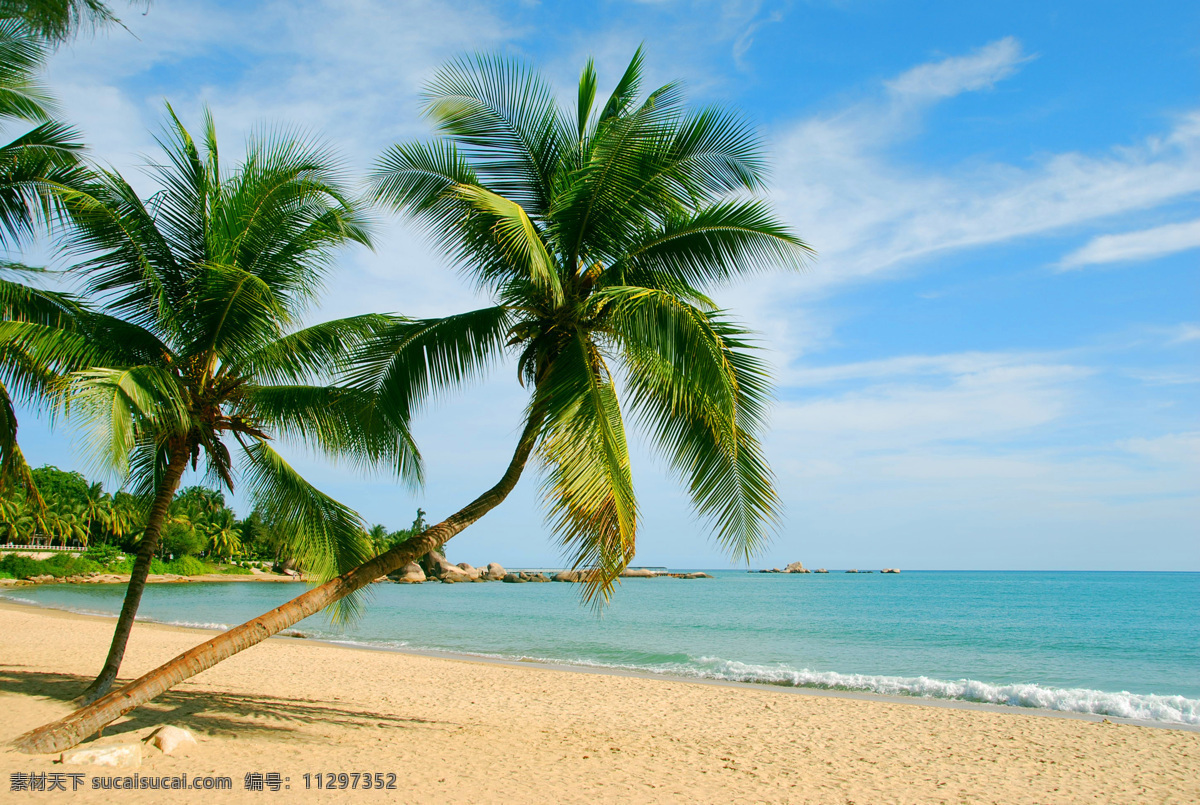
(456, 730)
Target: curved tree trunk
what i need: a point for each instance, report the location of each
(137, 577)
(83, 723)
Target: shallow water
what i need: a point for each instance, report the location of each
(1121, 644)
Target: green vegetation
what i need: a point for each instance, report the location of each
(202, 534)
(58, 566)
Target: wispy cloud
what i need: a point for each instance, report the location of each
(1146, 244)
(958, 74)
(918, 401)
(1185, 333)
(867, 213)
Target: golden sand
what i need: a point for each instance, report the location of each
(465, 731)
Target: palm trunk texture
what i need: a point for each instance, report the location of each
(137, 578)
(85, 722)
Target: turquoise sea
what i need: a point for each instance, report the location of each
(1120, 644)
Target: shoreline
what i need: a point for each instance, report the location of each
(475, 730)
(153, 578)
(579, 668)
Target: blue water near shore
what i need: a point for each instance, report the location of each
(1119, 644)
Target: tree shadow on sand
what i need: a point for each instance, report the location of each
(210, 712)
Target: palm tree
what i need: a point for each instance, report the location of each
(223, 538)
(596, 232)
(69, 524)
(379, 538)
(97, 506)
(205, 282)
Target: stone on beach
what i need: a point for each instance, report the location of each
(437, 567)
(796, 567)
(513, 578)
(409, 574)
(638, 573)
(496, 571)
(122, 756)
(171, 739)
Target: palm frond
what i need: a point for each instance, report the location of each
(120, 407)
(702, 395)
(326, 537)
(283, 211)
(421, 181)
(57, 21)
(20, 302)
(588, 487)
(22, 57)
(625, 93)
(411, 361)
(232, 313)
(517, 237)
(33, 169)
(596, 209)
(504, 117)
(586, 97)
(319, 351)
(713, 245)
(124, 259)
(340, 422)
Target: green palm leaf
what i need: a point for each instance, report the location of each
(588, 487)
(327, 537)
(504, 115)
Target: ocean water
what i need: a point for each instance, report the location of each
(1119, 644)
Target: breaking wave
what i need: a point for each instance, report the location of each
(1143, 707)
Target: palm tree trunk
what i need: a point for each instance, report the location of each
(137, 577)
(87, 721)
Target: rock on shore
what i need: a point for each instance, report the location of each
(409, 574)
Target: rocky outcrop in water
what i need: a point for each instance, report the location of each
(435, 567)
(794, 567)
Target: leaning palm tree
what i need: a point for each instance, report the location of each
(596, 231)
(200, 355)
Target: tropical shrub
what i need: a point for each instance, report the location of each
(188, 566)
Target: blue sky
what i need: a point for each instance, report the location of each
(992, 364)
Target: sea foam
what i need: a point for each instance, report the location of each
(1143, 707)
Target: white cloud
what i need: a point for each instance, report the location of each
(980, 70)
(919, 401)
(1146, 244)
(866, 213)
(1185, 333)
(1181, 449)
